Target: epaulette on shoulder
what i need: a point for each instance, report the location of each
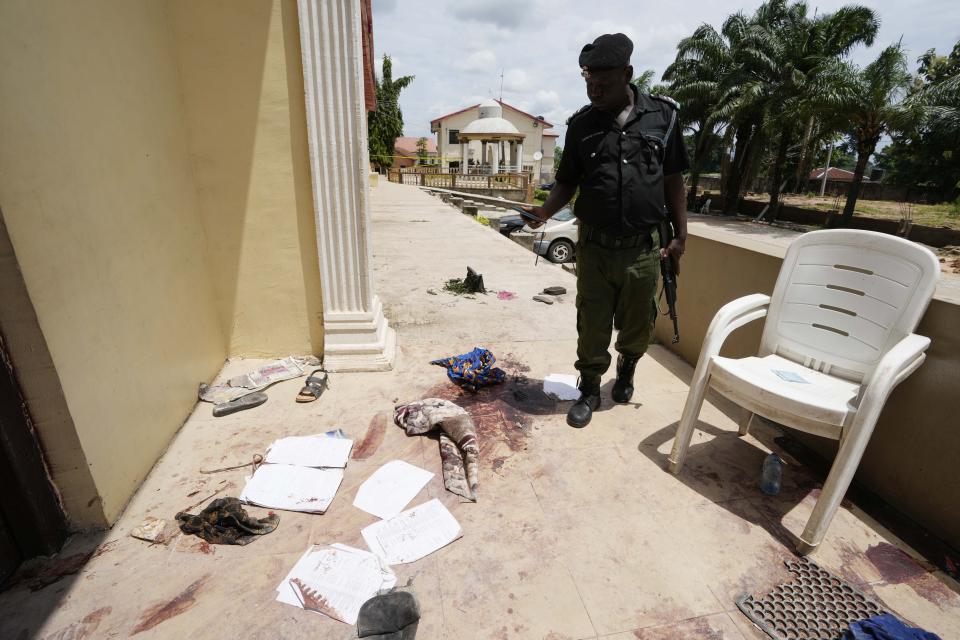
(578, 113)
(670, 101)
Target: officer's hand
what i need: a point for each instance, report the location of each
(537, 212)
(674, 250)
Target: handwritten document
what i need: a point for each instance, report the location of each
(335, 580)
(413, 534)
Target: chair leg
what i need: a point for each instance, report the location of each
(688, 419)
(745, 421)
(838, 481)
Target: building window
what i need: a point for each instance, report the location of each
(453, 136)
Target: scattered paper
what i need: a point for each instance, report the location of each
(282, 486)
(561, 385)
(790, 376)
(413, 534)
(391, 488)
(310, 451)
(335, 580)
(268, 374)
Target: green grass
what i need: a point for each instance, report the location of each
(946, 214)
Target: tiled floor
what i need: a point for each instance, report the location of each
(576, 534)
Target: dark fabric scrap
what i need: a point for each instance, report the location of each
(224, 521)
(885, 627)
(392, 616)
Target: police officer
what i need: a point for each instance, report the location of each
(624, 151)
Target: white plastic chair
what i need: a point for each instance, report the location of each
(841, 317)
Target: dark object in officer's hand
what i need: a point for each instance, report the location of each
(669, 275)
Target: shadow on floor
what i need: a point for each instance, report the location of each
(46, 582)
(727, 467)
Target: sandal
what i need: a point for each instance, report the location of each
(314, 385)
(248, 401)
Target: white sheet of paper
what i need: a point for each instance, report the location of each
(282, 486)
(343, 576)
(310, 451)
(391, 488)
(413, 534)
(561, 385)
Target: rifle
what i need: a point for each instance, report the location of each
(669, 279)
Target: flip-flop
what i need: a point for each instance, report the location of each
(248, 401)
(313, 386)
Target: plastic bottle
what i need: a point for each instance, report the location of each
(772, 472)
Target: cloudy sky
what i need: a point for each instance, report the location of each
(457, 49)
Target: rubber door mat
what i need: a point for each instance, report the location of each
(815, 605)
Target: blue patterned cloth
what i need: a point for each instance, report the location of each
(472, 370)
(885, 627)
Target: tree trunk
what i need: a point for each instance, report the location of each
(692, 192)
(802, 160)
(773, 209)
(863, 154)
(731, 199)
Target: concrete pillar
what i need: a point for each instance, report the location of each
(483, 152)
(495, 165)
(464, 160)
(356, 334)
(520, 157)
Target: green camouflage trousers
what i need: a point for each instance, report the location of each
(616, 288)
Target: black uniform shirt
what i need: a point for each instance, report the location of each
(620, 171)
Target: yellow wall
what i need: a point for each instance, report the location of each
(242, 85)
(96, 192)
(911, 459)
(155, 183)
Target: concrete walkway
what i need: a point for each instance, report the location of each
(576, 534)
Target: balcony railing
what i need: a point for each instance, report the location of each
(497, 181)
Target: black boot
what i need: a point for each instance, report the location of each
(623, 387)
(582, 410)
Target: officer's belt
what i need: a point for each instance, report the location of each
(609, 240)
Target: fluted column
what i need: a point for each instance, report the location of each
(356, 334)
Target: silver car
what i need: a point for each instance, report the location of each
(556, 239)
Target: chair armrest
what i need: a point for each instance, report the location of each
(896, 364)
(731, 317)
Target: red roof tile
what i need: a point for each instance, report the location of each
(833, 173)
(408, 144)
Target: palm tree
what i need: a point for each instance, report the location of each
(642, 81)
(872, 100)
(694, 77)
(830, 36)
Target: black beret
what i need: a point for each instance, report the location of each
(609, 51)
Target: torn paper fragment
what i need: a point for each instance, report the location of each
(413, 534)
(562, 386)
(152, 530)
(335, 581)
(391, 488)
(281, 486)
(310, 451)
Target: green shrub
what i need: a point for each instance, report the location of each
(540, 194)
